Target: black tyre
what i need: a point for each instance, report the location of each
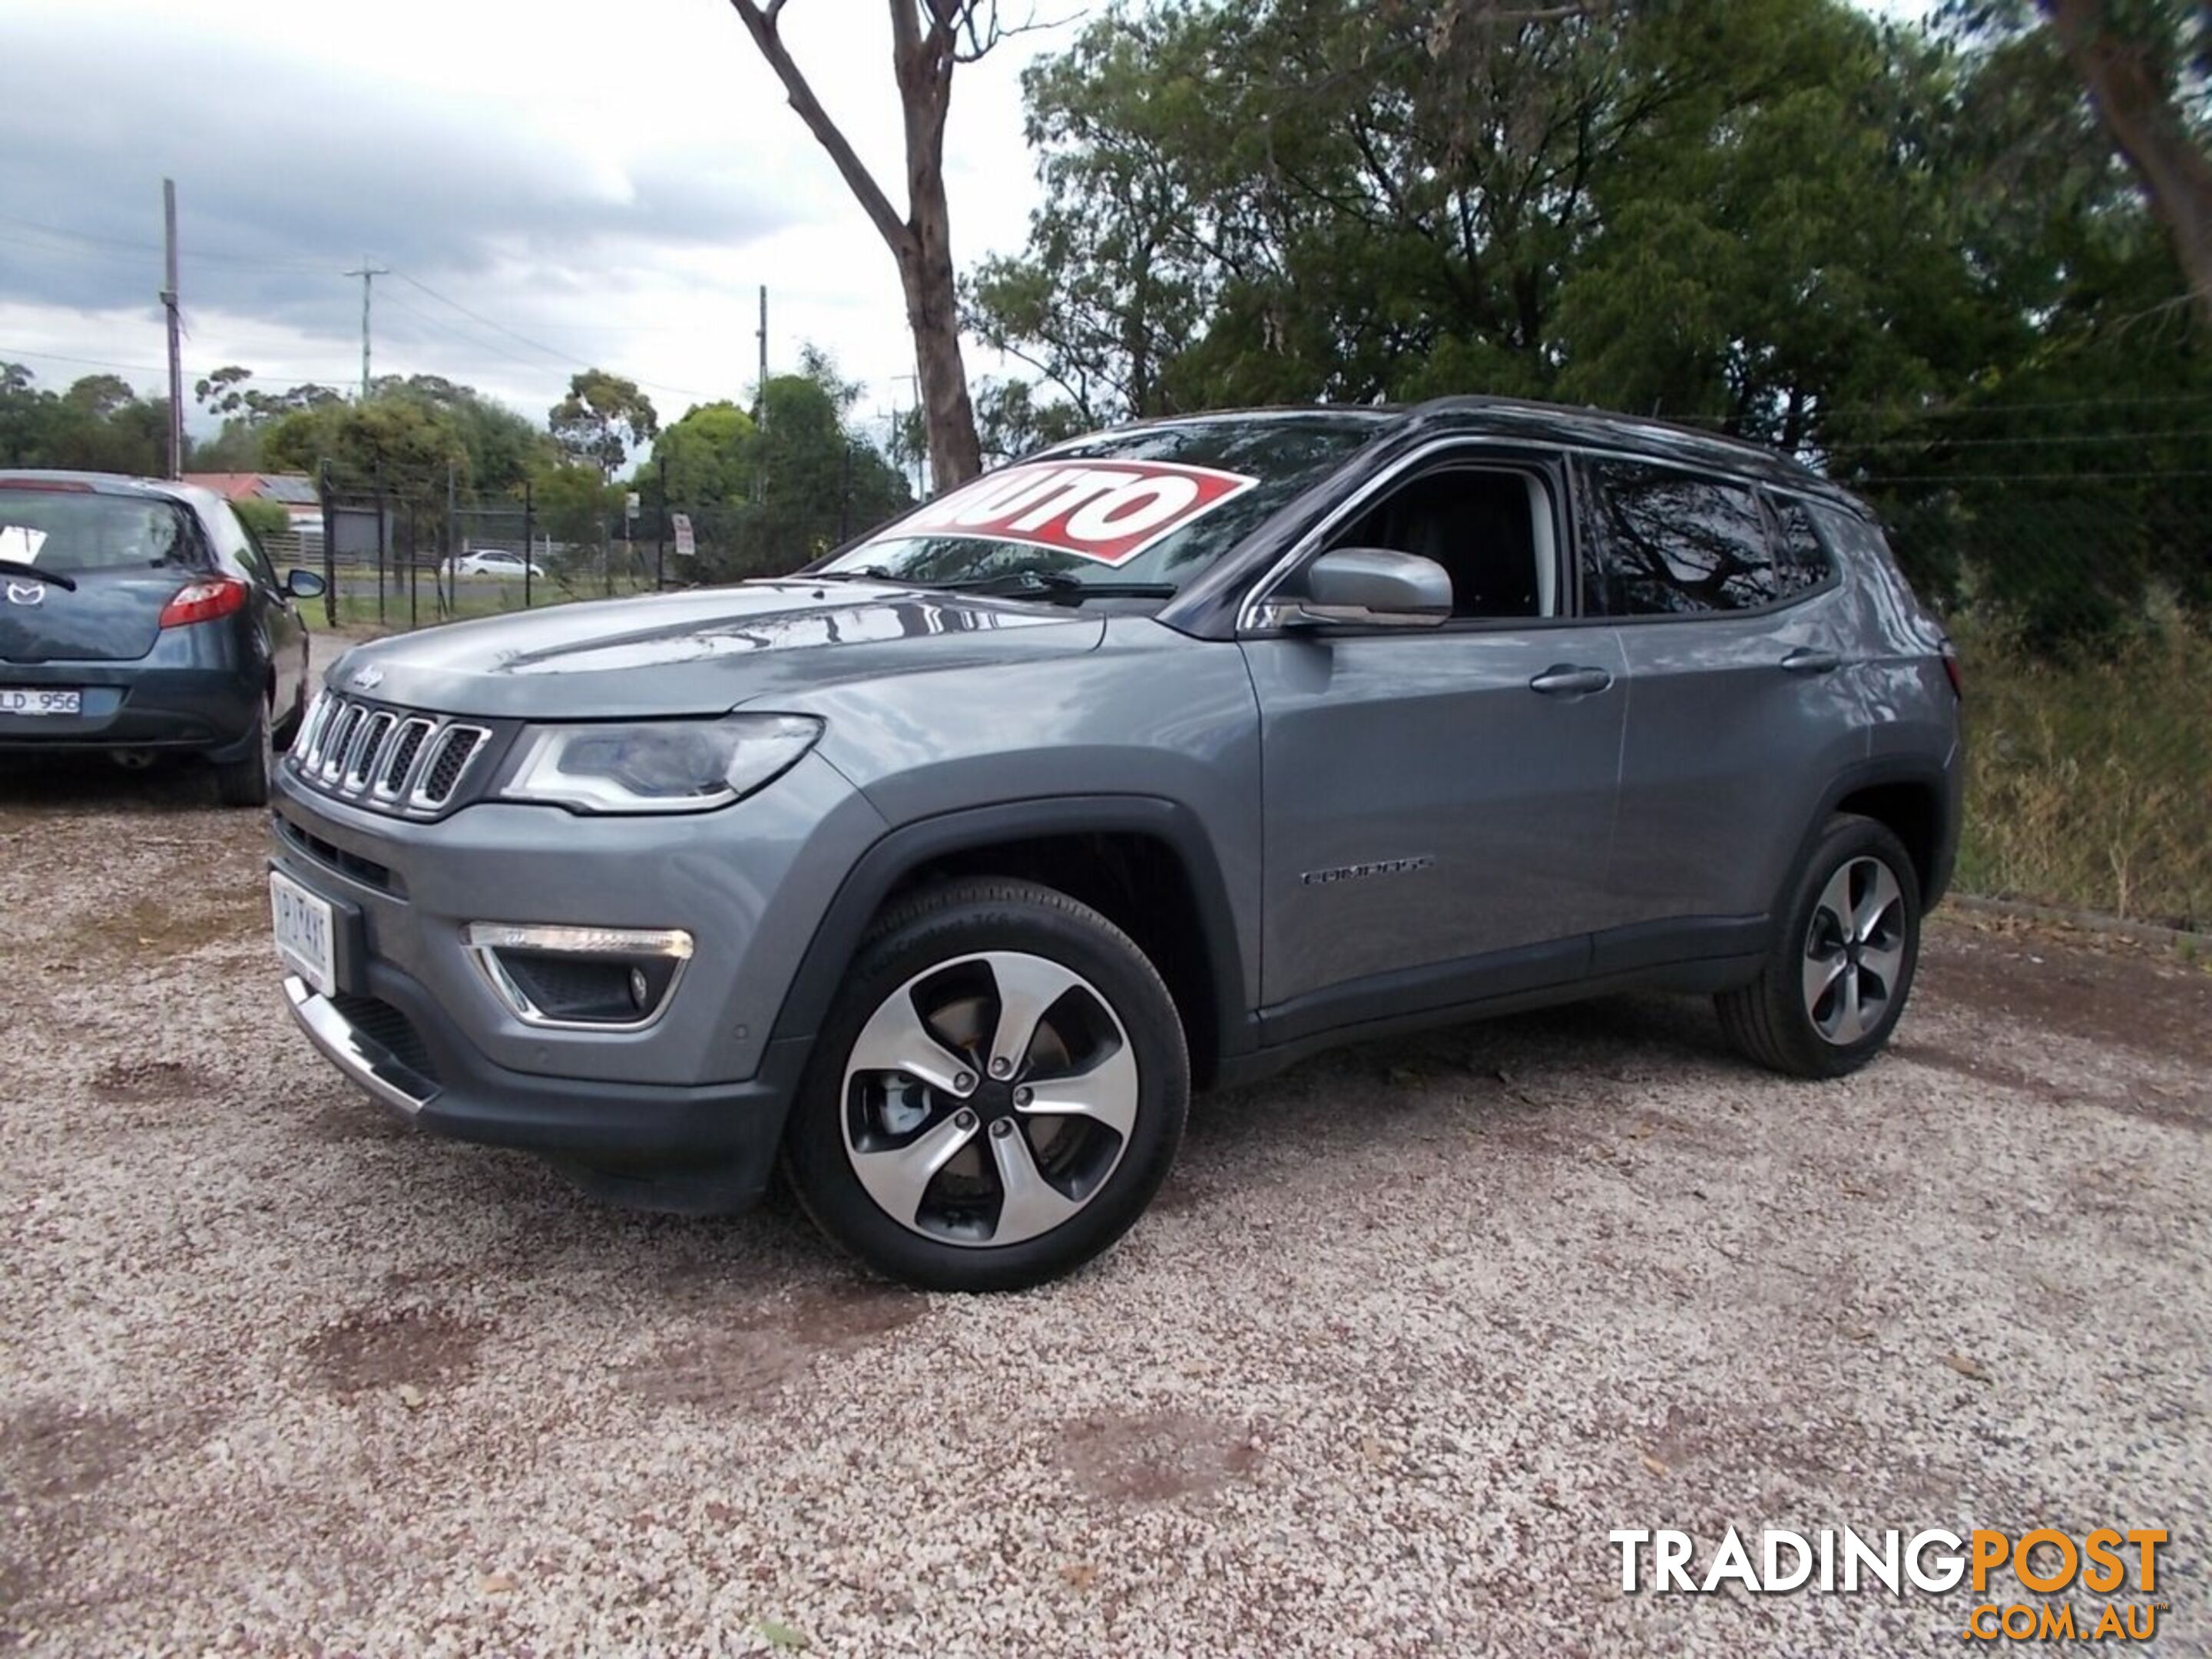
(1843, 961)
(245, 782)
(997, 1093)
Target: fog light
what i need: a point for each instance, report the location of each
(579, 978)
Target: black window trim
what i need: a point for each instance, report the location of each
(1462, 451)
(1585, 493)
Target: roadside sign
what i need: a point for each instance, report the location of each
(685, 545)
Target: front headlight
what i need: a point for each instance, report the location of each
(657, 766)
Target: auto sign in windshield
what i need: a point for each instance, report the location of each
(1151, 505)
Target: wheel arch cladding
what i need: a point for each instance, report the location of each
(1144, 863)
(1912, 808)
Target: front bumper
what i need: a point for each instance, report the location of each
(695, 1099)
(706, 1150)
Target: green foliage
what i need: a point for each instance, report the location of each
(407, 435)
(263, 518)
(773, 495)
(705, 457)
(1907, 254)
(97, 425)
(602, 418)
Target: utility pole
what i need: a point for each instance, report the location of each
(921, 456)
(368, 274)
(169, 305)
(760, 402)
(760, 396)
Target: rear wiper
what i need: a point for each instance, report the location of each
(53, 576)
(1058, 585)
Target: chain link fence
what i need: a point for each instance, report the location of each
(2082, 609)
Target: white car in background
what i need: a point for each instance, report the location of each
(492, 562)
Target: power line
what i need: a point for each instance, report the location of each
(153, 249)
(1900, 412)
(457, 332)
(564, 359)
(1882, 480)
(86, 362)
(1936, 441)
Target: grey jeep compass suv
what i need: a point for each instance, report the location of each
(942, 871)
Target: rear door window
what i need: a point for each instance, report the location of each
(75, 531)
(1662, 543)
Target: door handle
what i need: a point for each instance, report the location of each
(1806, 660)
(1566, 680)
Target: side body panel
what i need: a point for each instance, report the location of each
(1727, 753)
(1423, 805)
(1149, 713)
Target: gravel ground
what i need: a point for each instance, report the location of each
(1410, 1329)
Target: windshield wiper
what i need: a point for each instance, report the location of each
(1056, 586)
(54, 576)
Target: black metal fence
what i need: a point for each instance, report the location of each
(395, 559)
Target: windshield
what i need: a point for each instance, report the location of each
(71, 530)
(1152, 505)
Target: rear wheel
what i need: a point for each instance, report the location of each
(245, 782)
(997, 1094)
(1835, 985)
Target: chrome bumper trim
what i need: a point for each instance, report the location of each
(370, 1065)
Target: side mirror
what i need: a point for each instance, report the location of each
(1374, 587)
(303, 585)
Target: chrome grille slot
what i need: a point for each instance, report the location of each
(368, 751)
(311, 728)
(406, 744)
(450, 753)
(345, 724)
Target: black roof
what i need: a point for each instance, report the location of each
(1561, 424)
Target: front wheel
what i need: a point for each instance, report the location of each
(997, 1094)
(1835, 986)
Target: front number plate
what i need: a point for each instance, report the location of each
(31, 700)
(305, 933)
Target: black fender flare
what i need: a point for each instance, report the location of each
(902, 850)
(1941, 782)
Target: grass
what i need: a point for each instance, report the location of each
(356, 613)
(2089, 785)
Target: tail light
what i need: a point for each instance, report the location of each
(1950, 670)
(204, 601)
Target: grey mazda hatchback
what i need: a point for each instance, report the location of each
(140, 619)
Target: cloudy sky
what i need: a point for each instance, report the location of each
(552, 184)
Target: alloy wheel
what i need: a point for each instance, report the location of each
(1853, 950)
(988, 1099)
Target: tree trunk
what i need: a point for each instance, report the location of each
(924, 60)
(933, 313)
(2144, 124)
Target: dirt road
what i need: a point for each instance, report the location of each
(1412, 1328)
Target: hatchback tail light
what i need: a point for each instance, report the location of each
(204, 601)
(1950, 670)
